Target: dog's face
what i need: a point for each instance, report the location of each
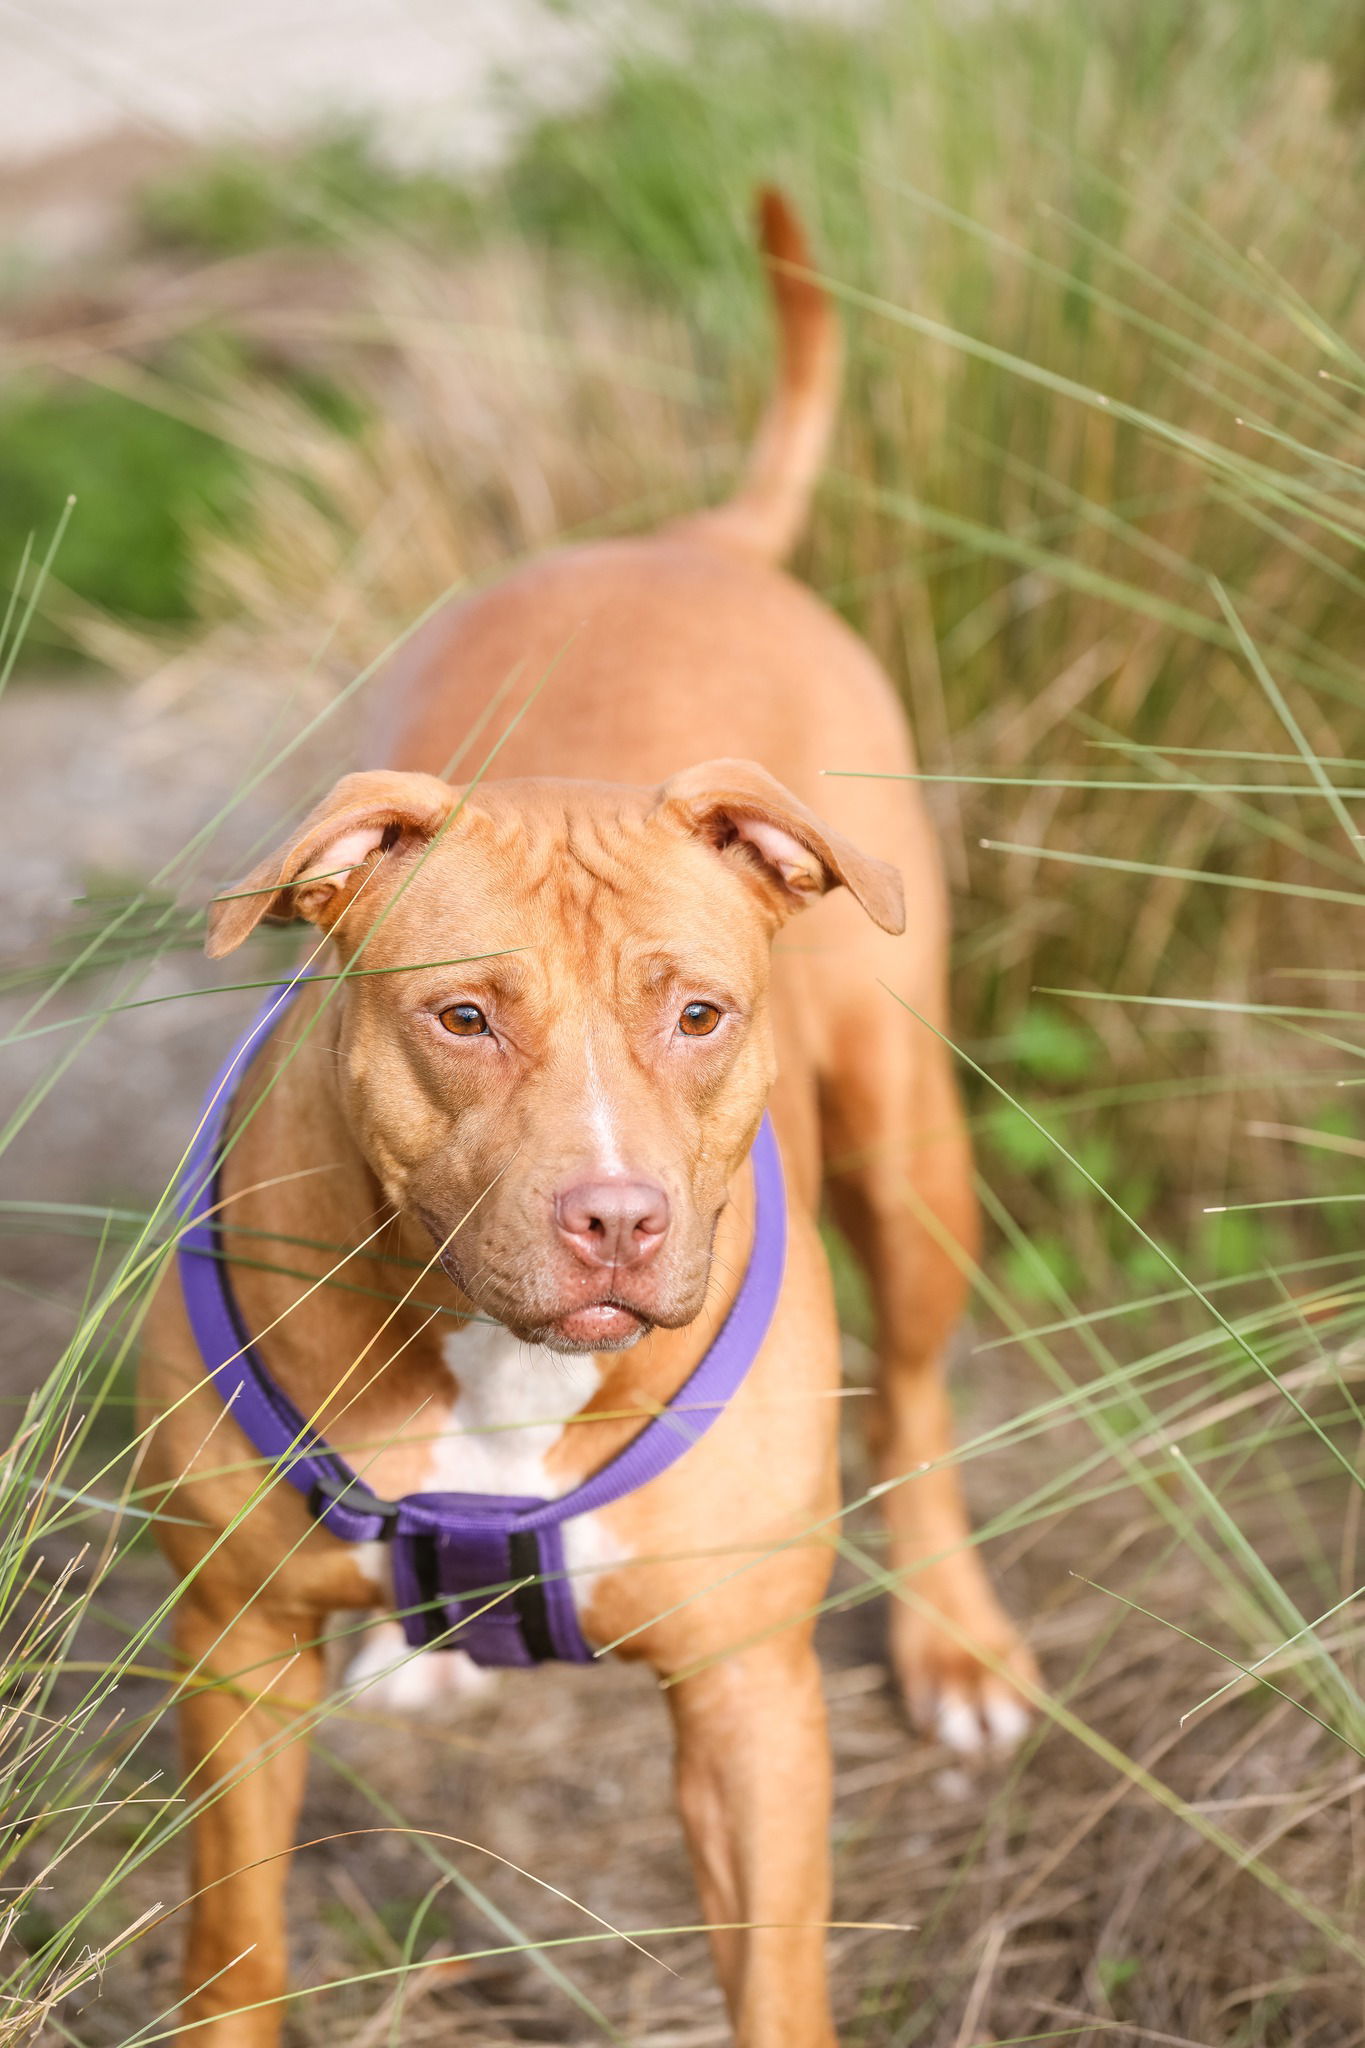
(555, 1046)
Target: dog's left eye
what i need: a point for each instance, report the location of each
(464, 1020)
(699, 1020)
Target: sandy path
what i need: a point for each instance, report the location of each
(434, 78)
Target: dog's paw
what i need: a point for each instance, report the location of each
(386, 1674)
(971, 1694)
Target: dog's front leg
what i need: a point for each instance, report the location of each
(754, 1790)
(252, 1677)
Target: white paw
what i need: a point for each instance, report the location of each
(384, 1672)
(972, 1724)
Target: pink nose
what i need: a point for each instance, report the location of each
(613, 1222)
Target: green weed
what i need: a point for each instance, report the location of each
(322, 193)
(146, 486)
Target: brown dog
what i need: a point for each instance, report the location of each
(557, 1092)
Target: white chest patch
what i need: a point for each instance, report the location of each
(514, 1403)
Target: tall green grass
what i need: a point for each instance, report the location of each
(1096, 503)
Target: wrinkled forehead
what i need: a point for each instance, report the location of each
(588, 884)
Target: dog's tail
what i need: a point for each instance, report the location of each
(766, 514)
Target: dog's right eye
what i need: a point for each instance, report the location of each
(699, 1020)
(464, 1020)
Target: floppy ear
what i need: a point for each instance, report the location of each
(793, 855)
(315, 874)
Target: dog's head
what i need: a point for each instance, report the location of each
(554, 1035)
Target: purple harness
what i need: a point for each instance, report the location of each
(483, 1573)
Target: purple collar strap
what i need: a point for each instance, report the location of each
(483, 1573)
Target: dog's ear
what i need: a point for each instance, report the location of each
(794, 856)
(317, 871)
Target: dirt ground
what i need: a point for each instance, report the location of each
(1056, 1896)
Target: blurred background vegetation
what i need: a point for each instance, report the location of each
(1101, 274)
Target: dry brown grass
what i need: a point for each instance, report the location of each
(1131, 1876)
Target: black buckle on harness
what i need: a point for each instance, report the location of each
(350, 1492)
(523, 1554)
